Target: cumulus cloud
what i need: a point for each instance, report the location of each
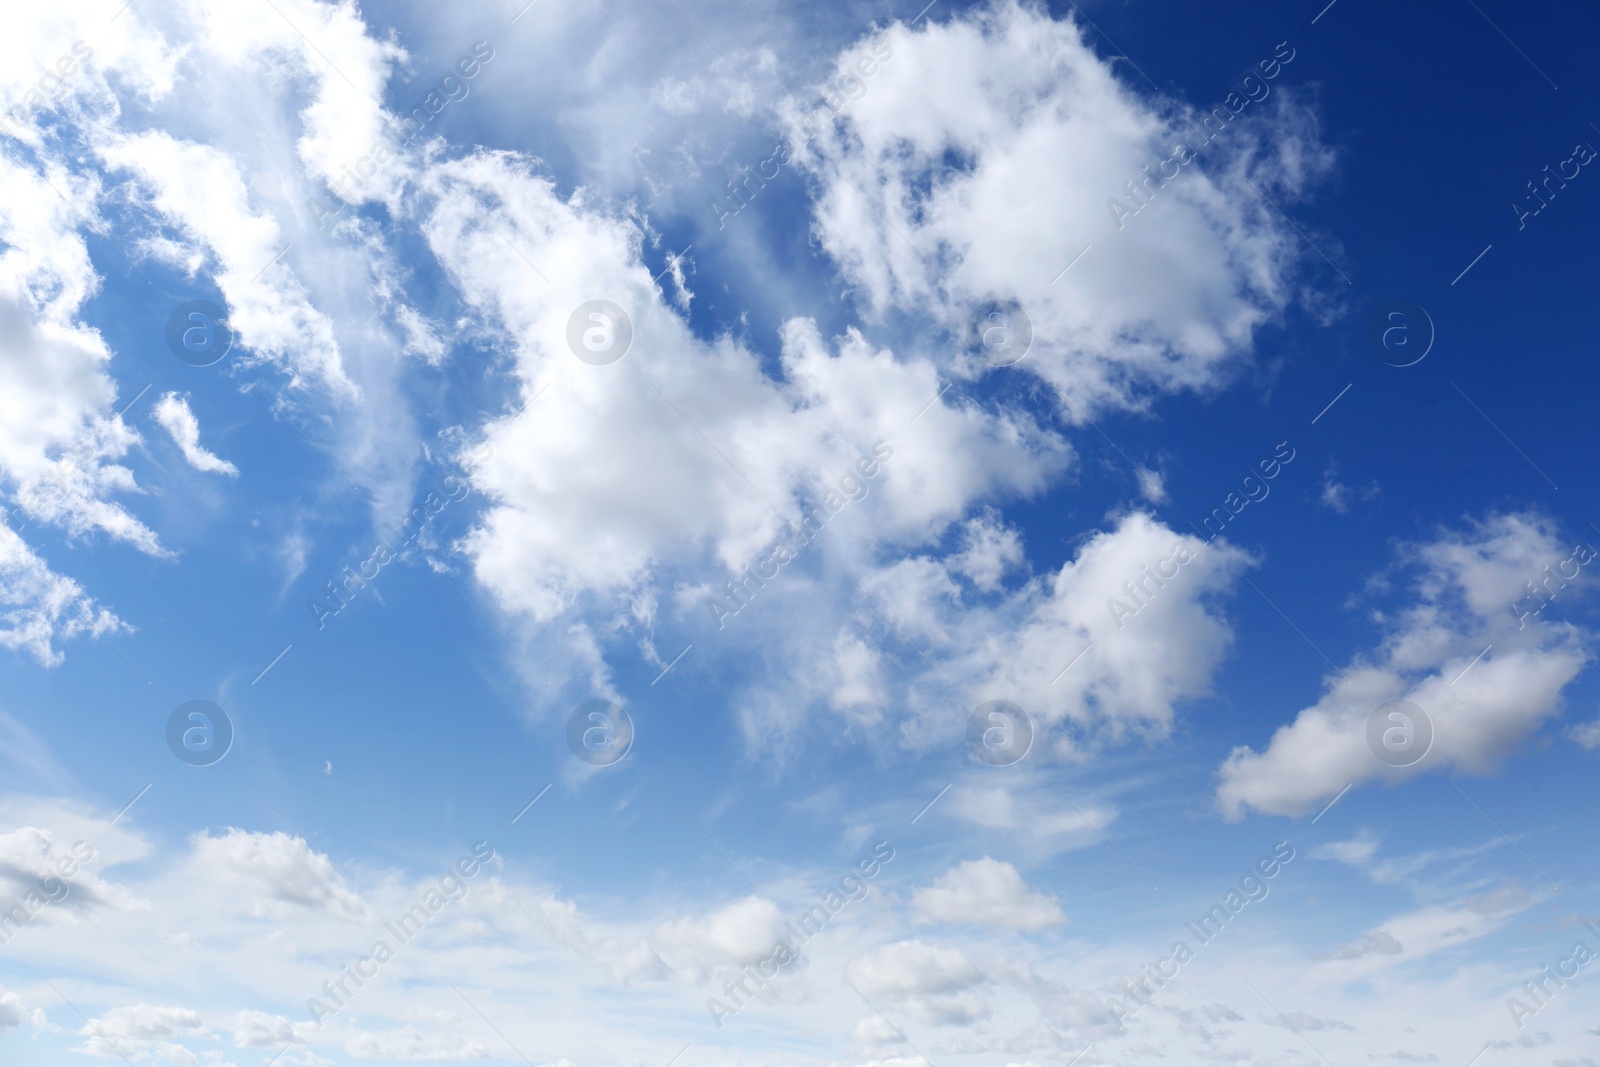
(1466, 589)
(935, 982)
(685, 456)
(12, 1014)
(986, 892)
(740, 933)
(276, 874)
(982, 182)
(143, 1028)
(172, 412)
(1106, 647)
(53, 880)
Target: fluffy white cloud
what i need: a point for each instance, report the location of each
(59, 439)
(1110, 645)
(138, 1029)
(937, 983)
(276, 874)
(39, 607)
(683, 452)
(44, 879)
(740, 933)
(12, 1014)
(987, 892)
(173, 413)
(201, 190)
(980, 161)
(1471, 652)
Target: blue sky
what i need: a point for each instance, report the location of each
(1207, 345)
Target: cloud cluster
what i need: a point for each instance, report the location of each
(1458, 650)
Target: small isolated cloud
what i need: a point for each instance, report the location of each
(1336, 496)
(1586, 734)
(172, 412)
(1152, 486)
(1356, 851)
(986, 892)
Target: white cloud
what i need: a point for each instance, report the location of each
(1152, 486)
(172, 412)
(934, 982)
(143, 1028)
(1139, 597)
(989, 550)
(58, 436)
(1586, 734)
(38, 607)
(201, 190)
(1466, 589)
(1042, 134)
(739, 933)
(33, 862)
(987, 892)
(276, 874)
(407, 1043)
(684, 454)
(12, 1014)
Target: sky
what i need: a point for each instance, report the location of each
(702, 533)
